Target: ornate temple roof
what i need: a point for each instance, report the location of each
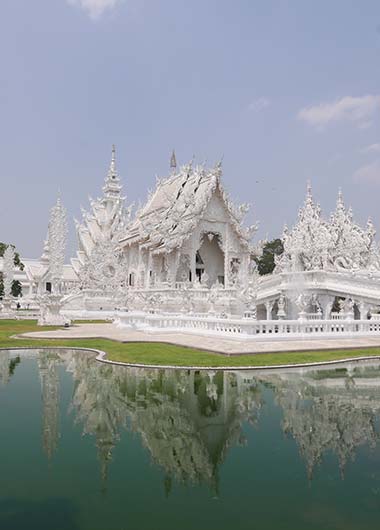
(177, 204)
(100, 230)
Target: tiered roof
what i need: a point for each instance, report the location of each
(105, 222)
(176, 206)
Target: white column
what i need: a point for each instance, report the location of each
(226, 257)
(269, 307)
(147, 272)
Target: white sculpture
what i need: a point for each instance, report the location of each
(307, 245)
(8, 276)
(351, 245)
(281, 314)
(51, 304)
(338, 244)
(99, 261)
(57, 244)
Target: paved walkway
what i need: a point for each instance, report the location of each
(218, 344)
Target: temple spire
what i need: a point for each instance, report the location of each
(173, 162)
(112, 187)
(340, 202)
(309, 191)
(112, 172)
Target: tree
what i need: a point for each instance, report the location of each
(16, 288)
(266, 262)
(18, 263)
(16, 285)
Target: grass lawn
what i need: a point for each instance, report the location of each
(166, 354)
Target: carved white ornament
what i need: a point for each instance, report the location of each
(8, 270)
(57, 242)
(337, 245)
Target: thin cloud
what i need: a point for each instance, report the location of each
(94, 8)
(373, 148)
(369, 173)
(259, 104)
(359, 110)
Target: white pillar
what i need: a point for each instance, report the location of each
(269, 307)
(226, 258)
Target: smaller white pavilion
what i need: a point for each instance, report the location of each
(329, 268)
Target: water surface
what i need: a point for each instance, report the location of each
(86, 446)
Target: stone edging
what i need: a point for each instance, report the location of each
(101, 357)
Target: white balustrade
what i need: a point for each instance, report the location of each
(246, 328)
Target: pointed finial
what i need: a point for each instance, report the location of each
(59, 198)
(309, 191)
(112, 172)
(218, 168)
(113, 159)
(112, 186)
(340, 202)
(173, 162)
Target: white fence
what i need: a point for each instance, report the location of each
(83, 314)
(246, 328)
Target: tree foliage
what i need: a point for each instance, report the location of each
(266, 262)
(17, 261)
(16, 285)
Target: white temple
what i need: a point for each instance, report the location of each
(185, 260)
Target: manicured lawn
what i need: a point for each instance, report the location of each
(166, 354)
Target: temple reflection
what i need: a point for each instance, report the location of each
(189, 420)
(48, 370)
(329, 410)
(186, 420)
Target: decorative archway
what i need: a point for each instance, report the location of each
(210, 257)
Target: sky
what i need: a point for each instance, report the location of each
(284, 91)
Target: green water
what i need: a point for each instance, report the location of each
(85, 446)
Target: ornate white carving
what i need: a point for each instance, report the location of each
(338, 244)
(100, 264)
(8, 270)
(169, 219)
(307, 245)
(51, 311)
(351, 245)
(57, 238)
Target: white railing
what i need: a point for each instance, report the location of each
(313, 316)
(337, 316)
(83, 314)
(245, 328)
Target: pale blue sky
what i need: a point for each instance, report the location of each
(209, 77)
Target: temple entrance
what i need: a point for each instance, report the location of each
(199, 266)
(210, 260)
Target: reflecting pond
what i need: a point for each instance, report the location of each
(89, 446)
